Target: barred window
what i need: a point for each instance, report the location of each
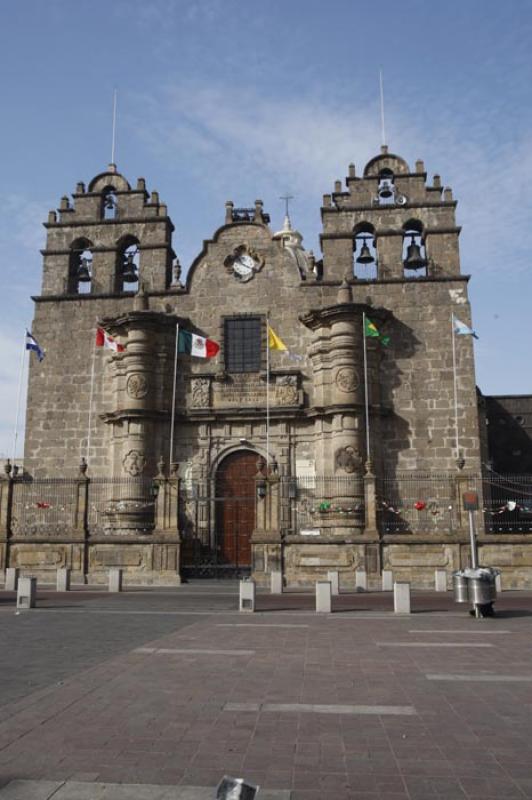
(242, 344)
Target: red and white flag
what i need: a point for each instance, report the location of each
(104, 340)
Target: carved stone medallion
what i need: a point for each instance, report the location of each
(243, 263)
(137, 386)
(347, 379)
(348, 459)
(134, 462)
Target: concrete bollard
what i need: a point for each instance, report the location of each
(361, 580)
(323, 597)
(247, 596)
(26, 593)
(11, 581)
(440, 580)
(115, 580)
(387, 580)
(333, 576)
(401, 598)
(63, 580)
(498, 584)
(276, 582)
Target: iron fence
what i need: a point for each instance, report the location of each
(47, 506)
(507, 503)
(417, 502)
(310, 502)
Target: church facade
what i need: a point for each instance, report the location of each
(335, 428)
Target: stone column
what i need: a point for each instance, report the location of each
(140, 379)
(338, 374)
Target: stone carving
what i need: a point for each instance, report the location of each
(137, 386)
(200, 392)
(347, 379)
(286, 393)
(243, 263)
(134, 462)
(348, 459)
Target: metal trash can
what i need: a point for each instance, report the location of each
(482, 586)
(460, 588)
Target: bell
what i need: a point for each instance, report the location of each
(385, 190)
(84, 275)
(365, 256)
(129, 274)
(109, 202)
(414, 259)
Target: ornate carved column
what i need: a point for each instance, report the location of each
(338, 371)
(139, 375)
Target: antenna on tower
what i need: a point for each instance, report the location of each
(383, 132)
(114, 129)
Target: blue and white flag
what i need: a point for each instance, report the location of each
(462, 329)
(33, 344)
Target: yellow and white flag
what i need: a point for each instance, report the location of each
(274, 342)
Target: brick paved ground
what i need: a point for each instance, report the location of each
(176, 687)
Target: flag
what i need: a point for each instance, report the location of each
(196, 345)
(104, 340)
(462, 329)
(372, 332)
(274, 342)
(33, 344)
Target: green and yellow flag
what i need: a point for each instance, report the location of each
(274, 342)
(372, 332)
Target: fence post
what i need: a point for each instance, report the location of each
(82, 515)
(370, 502)
(6, 505)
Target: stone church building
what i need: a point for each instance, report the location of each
(343, 451)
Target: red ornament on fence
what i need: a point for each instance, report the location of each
(419, 505)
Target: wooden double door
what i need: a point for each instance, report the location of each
(235, 508)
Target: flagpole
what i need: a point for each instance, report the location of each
(172, 418)
(91, 396)
(366, 398)
(267, 394)
(455, 387)
(19, 395)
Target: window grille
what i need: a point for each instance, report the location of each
(242, 344)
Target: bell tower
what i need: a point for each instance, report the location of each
(392, 236)
(108, 240)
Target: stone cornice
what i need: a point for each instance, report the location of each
(318, 317)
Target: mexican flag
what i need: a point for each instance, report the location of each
(196, 345)
(372, 332)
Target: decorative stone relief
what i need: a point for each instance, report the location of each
(137, 386)
(134, 462)
(348, 459)
(286, 393)
(200, 392)
(347, 379)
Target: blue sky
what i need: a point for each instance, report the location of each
(221, 99)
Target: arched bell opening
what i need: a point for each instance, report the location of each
(128, 265)
(109, 207)
(80, 267)
(415, 261)
(386, 190)
(365, 265)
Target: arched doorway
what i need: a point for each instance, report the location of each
(235, 509)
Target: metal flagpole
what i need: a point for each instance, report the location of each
(455, 388)
(114, 129)
(366, 398)
(382, 107)
(267, 394)
(172, 418)
(19, 396)
(91, 395)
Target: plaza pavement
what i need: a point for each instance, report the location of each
(156, 694)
